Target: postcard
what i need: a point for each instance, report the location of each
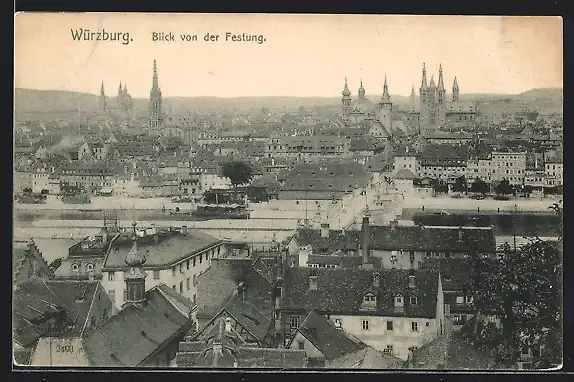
(287, 192)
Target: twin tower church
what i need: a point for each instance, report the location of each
(433, 112)
(122, 104)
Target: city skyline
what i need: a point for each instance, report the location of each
(310, 60)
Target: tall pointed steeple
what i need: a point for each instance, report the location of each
(424, 85)
(155, 101)
(125, 89)
(361, 90)
(120, 89)
(413, 95)
(102, 98)
(386, 97)
(455, 90)
(440, 79)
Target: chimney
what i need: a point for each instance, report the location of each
(393, 224)
(313, 283)
(304, 253)
(376, 277)
(227, 325)
(184, 230)
(411, 281)
(365, 240)
(325, 230)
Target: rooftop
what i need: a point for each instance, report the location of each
(135, 333)
(342, 291)
(169, 249)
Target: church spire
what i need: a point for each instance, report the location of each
(413, 94)
(424, 79)
(102, 92)
(155, 83)
(120, 89)
(361, 90)
(440, 79)
(386, 96)
(455, 90)
(102, 98)
(346, 92)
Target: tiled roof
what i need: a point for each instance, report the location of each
(252, 318)
(36, 299)
(449, 353)
(134, 333)
(455, 272)
(170, 249)
(330, 341)
(224, 276)
(366, 358)
(404, 174)
(407, 238)
(342, 291)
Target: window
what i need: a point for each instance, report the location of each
(294, 322)
(194, 261)
(111, 276)
(187, 283)
(173, 271)
(389, 350)
(412, 256)
(194, 298)
(390, 325)
(194, 280)
(173, 287)
(200, 258)
(338, 322)
(414, 301)
(156, 275)
(459, 300)
(301, 344)
(524, 351)
(180, 267)
(447, 255)
(369, 298)
(112, 295)
(365, 324)
(414, 327)
(181, 287)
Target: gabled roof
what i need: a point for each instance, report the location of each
(341, 291)
(134, 333)
(407, 238)
(404, 174)
(366, 358)
(330, 341)
(36, 300)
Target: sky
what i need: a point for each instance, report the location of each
(303, 55)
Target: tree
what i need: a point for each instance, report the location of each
(238, 172)
(503, 188)
(479, 186)
(523, 288)
(460, 184)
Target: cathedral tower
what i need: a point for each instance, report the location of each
(155, 98)
(455, 90)
(346, 100)
(102, 98)
(441, 100)
(413, 96)
(424, 102)
(385, 107)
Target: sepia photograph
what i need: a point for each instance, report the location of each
(287, 192)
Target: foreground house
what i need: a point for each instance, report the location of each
(390, 310)
(145, 333)
(28, 262)
(327, 345)
(54, 311)
(222, 347)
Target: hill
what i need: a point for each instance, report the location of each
(30, 101)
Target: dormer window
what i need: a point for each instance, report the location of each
(399, 304)
(414, 300)
(75, 267)
(370, 299)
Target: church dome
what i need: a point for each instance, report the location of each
(135, 257)
(362, 105)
